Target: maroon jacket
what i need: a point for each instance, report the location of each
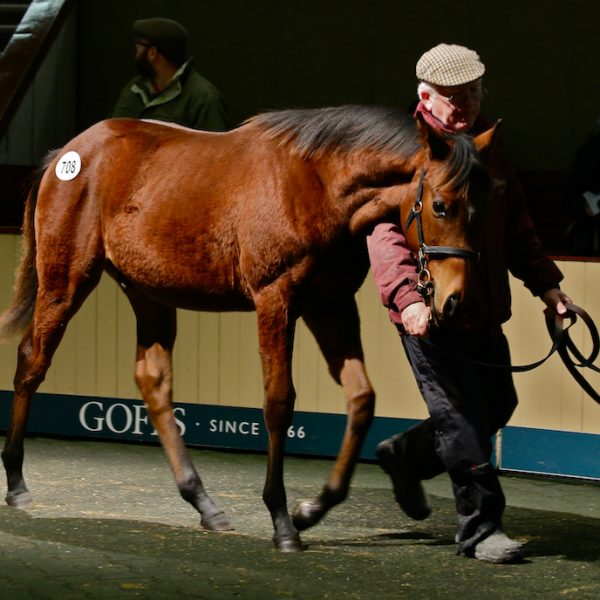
(510, 243)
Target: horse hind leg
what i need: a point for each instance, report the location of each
(30, 373)
(337, 332)
(156, 326)
(53, 310)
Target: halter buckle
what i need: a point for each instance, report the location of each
(424, 283)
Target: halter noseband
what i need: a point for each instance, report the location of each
(425, 253)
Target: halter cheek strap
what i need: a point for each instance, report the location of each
(426, 253)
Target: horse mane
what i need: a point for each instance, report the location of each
(314, 131)
(464, 170)
(461, 160)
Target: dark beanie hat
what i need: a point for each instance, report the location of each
(169, 37)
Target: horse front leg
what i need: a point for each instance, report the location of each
(156, 328)
(276, 333)
(337, 331)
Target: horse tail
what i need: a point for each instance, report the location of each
(19, 314)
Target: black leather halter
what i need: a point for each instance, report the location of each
(562, 343)
(426, 253)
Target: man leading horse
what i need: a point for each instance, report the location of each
(467, 402)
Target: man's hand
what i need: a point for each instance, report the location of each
(415, 318)
(556, 300)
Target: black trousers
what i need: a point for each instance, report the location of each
(468, 403)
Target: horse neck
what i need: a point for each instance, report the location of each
(369, 187)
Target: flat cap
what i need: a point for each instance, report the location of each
(169, 37)
(449, 65)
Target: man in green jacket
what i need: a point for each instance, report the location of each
(168, 87)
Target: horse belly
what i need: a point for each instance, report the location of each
(198, 300)
(179, 271)
(171, 291)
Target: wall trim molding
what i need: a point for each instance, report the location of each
(524, 449)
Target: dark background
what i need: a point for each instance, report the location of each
(542, 58)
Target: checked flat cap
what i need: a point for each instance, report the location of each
(449, 65)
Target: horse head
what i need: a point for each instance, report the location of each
(442, 224)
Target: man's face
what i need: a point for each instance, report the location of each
(456, 107)
(142, 62)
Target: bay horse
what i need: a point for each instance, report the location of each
(270, 217)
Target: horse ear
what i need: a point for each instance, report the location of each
(484, 141)
(438, 144)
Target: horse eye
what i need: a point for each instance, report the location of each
(439, 208)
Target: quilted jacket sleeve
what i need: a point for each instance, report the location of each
(394, 268)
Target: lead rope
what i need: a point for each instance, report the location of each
(567, 348)
(562, 343)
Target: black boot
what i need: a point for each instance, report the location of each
(408, 491)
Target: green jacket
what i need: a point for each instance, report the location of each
(189, 100)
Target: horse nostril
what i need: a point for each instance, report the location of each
(451, 306)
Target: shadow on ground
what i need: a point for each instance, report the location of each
(108, 523)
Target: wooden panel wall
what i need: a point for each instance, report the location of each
(549, 397)
(216, 357)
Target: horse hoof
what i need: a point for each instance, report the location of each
(289, 544)
(216, 522)
(306, 514)
(19, 499)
